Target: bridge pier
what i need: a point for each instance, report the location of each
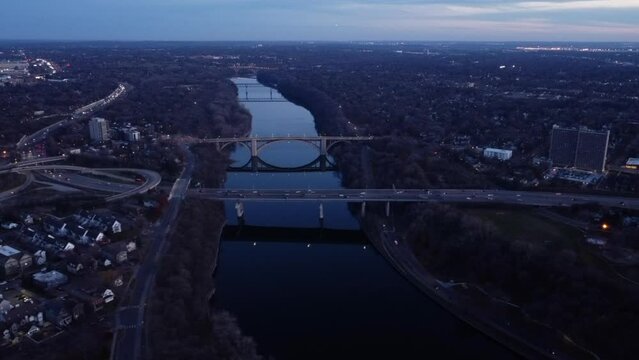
(239, 209)
(321, 212)
(388, 209)
(322, 162)
(254, 147)
(323, 147)
(255, 163)
(363, 209)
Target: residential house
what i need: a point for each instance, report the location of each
(82, 235)
(19, 316)
(57, 313)
(50, 279)
(116, 252)
(55, 226)
(13, 261)
(103, 223)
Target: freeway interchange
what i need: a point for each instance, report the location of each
(528, 198)
(94, 179)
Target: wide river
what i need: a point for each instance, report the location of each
(320, 298)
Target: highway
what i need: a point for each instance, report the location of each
(128, 341)
(78, 114)
(529, 198)
(33, 162)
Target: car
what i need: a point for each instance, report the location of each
(341, 195)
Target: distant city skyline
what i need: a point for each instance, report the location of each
(328, 20)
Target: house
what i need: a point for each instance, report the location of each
(57, 313)
(18, 316)
(9, 266)
(13, 261)
(50, 279)
(41, 241)
(116, 252)
(82, 235)
(27, 219)
(90, 297)
(99, 222)
(40, 257)
(131, 246)
(74, 267)
(9, 225)
(55, 226)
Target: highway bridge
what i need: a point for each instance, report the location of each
(470, 196)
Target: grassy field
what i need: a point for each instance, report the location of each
(523, 224)
(10, 181)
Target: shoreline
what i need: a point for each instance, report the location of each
(413, 270)
(427, 285)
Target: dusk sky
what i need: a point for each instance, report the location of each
(582, 20)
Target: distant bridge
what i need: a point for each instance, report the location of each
(272, 96)
(257, 144)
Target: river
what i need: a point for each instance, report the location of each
(323, 298)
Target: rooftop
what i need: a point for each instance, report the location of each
(8, 250)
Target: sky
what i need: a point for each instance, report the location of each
(321, 20)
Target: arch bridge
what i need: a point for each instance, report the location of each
(257, 144)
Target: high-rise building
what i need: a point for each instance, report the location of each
(592, 149)
(580, 148)
(563, 146)
(98, 129)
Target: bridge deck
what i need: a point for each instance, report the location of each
(528, 198)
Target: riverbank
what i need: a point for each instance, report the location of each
(470, 303)
(399, 254)
(182, 322)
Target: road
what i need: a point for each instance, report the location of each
(78, 114)
(128, 341)
(33, 162)
(529, 198)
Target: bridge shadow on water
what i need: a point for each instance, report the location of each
(257, 164)
(287, 234)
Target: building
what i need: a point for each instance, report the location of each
(632, 163)
(98, 129)
(50, 279)
(580, 148)
(563, 146)
(592, 149)
(500, 154)
(131, 134)
(13, 261)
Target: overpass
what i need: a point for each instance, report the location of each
(151, 179)
(470, 196)
(33, 162)
(257, 144)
